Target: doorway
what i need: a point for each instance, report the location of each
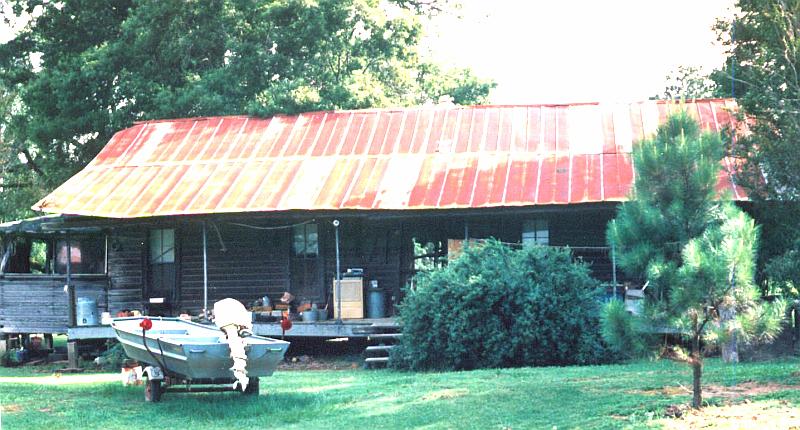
(162, 273)
(306, 264)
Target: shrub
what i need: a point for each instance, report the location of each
(496, 307)
(624, 333)
(114, 357)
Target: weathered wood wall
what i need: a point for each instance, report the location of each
(380, 247)
(246, 263)
(126, 253)
(243, 263)
(38, 303)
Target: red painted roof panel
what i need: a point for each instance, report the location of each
(413, 158)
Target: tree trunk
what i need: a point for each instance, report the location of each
(730, 348)
(697, 373)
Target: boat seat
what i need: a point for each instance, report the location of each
(169, 332)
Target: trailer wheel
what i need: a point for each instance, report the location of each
(252, 387)
(152, 390)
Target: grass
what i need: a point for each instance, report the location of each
(617, 396)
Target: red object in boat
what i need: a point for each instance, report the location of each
(146, 324)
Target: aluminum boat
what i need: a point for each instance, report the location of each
(194, 351)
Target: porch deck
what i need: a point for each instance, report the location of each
(360, 328)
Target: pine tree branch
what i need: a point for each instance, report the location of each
(30, 163)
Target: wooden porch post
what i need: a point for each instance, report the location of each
(205, 272)
(70, 289)
(3, 346)
(466, 233)
(48, 340)
(72, 345)
(338, 274)
(72, 354)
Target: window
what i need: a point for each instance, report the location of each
(306, 240)
(535, 232)
(87, 255)
(162, 246)
(49, 256)
(40, 251)
(26, 255)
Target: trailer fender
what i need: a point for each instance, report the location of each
(153, 373)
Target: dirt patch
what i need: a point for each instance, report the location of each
(746, 389)
(746, 415)
(306, 362)
(59, 379)
(11, 408)
(588, 379)
(743, 390)
(449, 393)
(663, 391)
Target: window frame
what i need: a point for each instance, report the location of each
(303, 247)
(165, 255)
(536, 232)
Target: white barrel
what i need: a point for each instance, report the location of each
(86, 311)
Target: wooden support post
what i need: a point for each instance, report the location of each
(48, 341)
(72, 315)
(72, 354)
(3, 345)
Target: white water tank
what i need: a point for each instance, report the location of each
(86, 311)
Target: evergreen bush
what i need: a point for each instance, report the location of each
(497, 307)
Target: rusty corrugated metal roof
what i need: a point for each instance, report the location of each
(411, 158)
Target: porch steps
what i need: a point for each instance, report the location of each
(380, 344)
(381, 336)
(379, 348)
(370, 361)
(377, 328)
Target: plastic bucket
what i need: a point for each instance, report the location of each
(310, 315)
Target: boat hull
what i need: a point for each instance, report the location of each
(194, 351)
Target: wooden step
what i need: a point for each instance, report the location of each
(386, 326)
(376, 360)
(375, 348)
(385, 336)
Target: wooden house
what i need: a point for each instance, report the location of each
(174, 214)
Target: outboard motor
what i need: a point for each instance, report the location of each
(232, 317)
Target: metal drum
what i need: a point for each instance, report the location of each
(376, 307)
(86, 311)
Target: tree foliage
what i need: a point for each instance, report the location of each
(497, 307)
(81, 70)
(687, 82)
(763, 41)
(674, 201)
(694, 248)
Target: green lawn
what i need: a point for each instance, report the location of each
(621, 396)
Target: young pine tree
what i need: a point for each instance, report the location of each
(694, 248)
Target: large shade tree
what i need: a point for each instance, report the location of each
(694, 249)
(80, 70)
(763, 41)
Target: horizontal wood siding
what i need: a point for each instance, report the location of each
(126, 253)
(243, 264)
(38, 304)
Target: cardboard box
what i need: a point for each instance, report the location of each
(352, 298)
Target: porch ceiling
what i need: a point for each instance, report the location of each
(411, 158)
